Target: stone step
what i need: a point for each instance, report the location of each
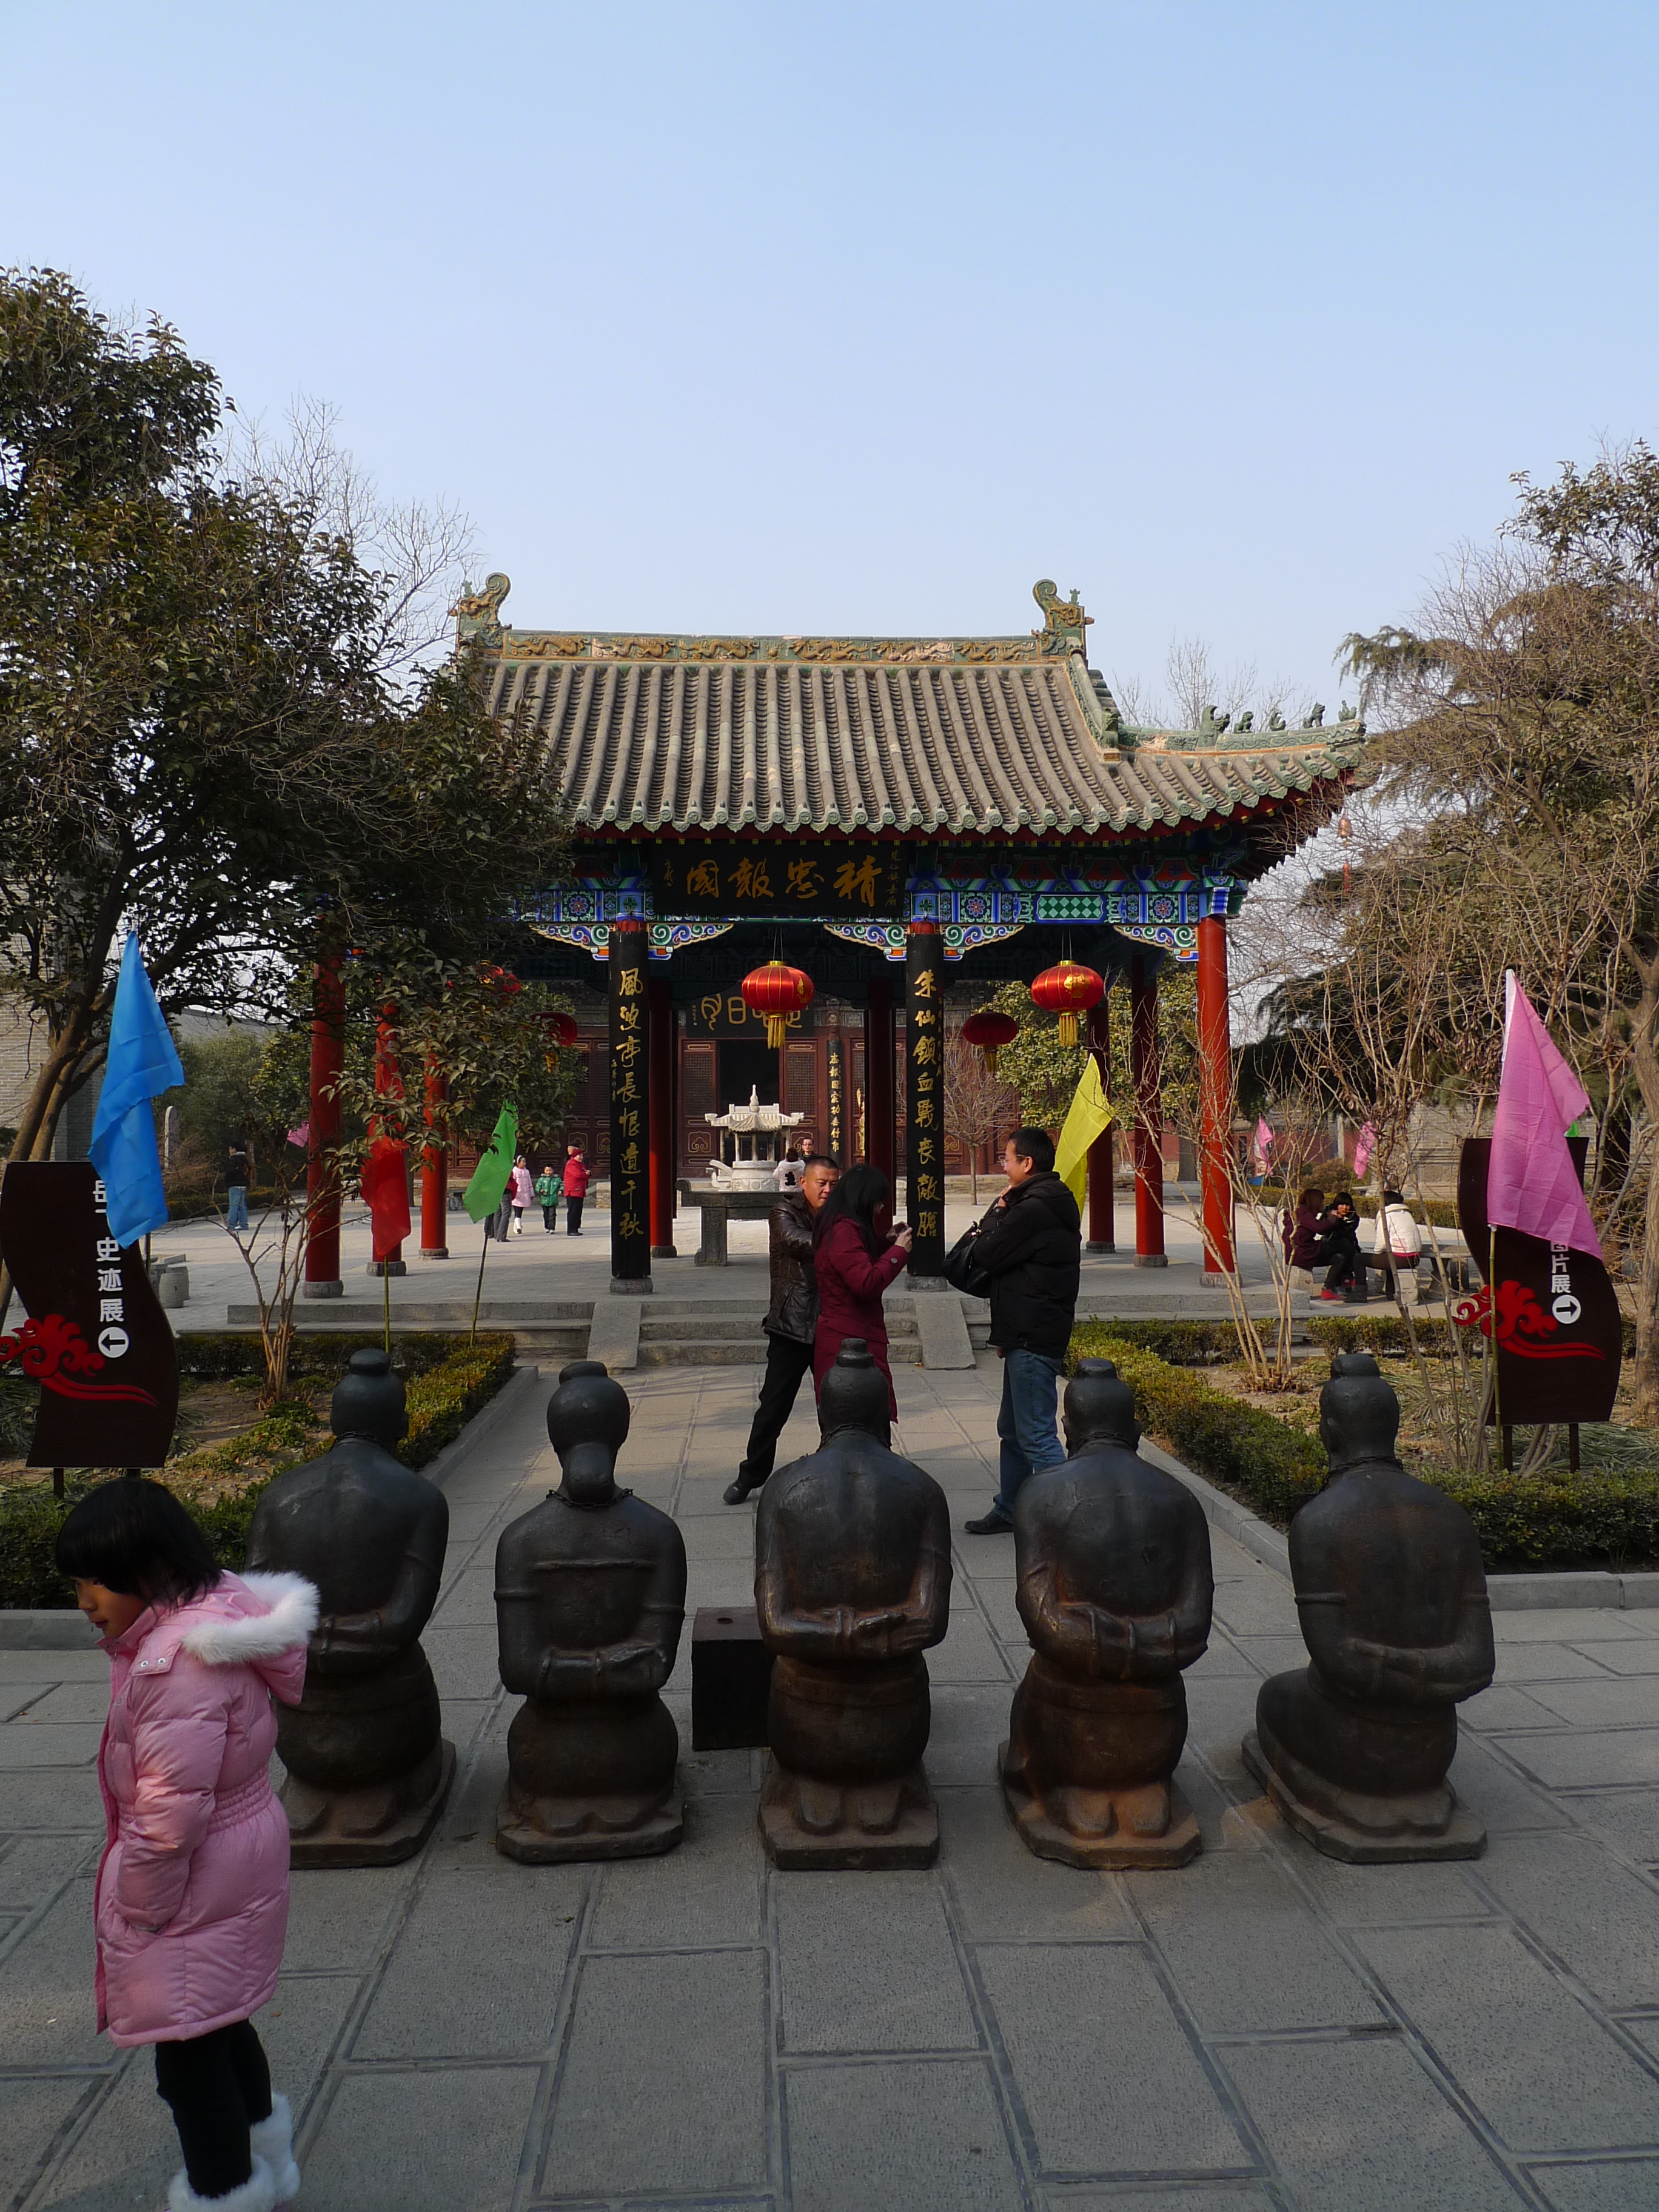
(729, 1351)
(655, 1328)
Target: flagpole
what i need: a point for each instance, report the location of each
(478, 1293)
(385, 1292)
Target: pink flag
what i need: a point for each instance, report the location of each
(1364, 1145)
(1531, 1184)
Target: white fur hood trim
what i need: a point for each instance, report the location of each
(291, 1609)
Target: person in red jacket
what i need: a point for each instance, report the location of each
(575, 1189)
(854, 1261)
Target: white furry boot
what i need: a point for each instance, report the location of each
(257, 2194)
(273, 2141)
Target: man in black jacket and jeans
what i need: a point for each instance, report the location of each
(1030, 1246)
(791, 1320)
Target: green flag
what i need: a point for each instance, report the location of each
(484, 1193)
(1089, 1118)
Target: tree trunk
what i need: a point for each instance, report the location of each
(1645, 1060)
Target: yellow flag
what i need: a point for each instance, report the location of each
(1088, 1117)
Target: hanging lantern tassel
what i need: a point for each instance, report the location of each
(775, 992)
(989, 1031)
(1068, 989)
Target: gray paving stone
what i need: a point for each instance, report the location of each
(74, 1665)
(1220, 1713)
(1272, 1655)
(1568, 1624)
(1108, 2082)
(464, 1662)
(866, 1963)
(1507, 1804)
(731, 1538)
(1629, 1701)
(1554, 1663)
(927, 2136)
(1623, 1657)
(435, 2141)
(300, 2027)
(1262, 1604)
(86, 1703)
(468, 1601)
(64, 1745)
(1245, 1951)
(1588, 1758)
(706, 1891)
(467, 1830)
(1528, 2056)
(1221, 1655)
(31, 1867)
(969, 1655)
(716, 1773)
(457, 1986)
(18, 1697)
(1627, 1819)
(969, 1722)
(662, 2088)
(337, 1917)
(1601, 1920)
(1505, 1706)
(59, 1797)
(1607, 2185)
(1360, 2126)
(1004, 1894)
(47, 2007)
(1243, 2197)
(1387, 1896)
(32, 2112)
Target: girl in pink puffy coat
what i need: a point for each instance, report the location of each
(190, 1906)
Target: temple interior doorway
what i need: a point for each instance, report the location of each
(746, 1066)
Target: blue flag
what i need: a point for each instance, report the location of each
(142, 1060)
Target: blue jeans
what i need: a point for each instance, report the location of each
(236, 1206)
(1026, 1422)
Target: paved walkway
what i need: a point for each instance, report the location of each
(562, 1267)
(1262, 2028)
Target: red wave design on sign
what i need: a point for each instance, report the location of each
(53, 1353)
(1521, 1322)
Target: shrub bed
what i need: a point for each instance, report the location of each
(448, 1380)
(1590, 1519)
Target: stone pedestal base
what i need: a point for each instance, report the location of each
(812, 1824)
(1149, 1827)
(1367, 1831)
(378, 1825)
(564, 1831)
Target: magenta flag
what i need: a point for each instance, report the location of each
(1364, 1145)
(1531, 1184)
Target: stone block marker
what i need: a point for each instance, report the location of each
(614, 1335)
(943, 1332)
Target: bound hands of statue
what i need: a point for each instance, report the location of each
(880, 1635)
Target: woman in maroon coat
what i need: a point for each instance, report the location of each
(854, 1262)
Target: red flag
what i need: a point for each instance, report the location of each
(385, 1185)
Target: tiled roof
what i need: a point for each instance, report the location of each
(957, 745)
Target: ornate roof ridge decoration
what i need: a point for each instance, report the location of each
(477, 619)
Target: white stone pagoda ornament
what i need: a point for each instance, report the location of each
(756, 1133)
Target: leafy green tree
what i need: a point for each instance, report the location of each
(200, 735)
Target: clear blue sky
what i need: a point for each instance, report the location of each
(861, 318)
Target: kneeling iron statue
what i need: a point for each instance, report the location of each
(368, 1768)
(590, 1596)
(1354, 1748)
(852, 1585)
(1116, 1591)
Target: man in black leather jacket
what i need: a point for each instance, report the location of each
(1030, 1246)
(791, 1321)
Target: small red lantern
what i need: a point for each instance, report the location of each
(776, 991)
(562, 1028)
(989, 1031)
(1068, 989)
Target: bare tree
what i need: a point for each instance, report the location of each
(978, 1104)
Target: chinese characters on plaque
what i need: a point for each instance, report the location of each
(924, 1035)
(861, 883)
(630, 1113)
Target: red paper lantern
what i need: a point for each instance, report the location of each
(1068, 989)
(563, 1027)
(776, 991)
(989, 1031)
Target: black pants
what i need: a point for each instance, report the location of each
(1346, 1272)
(573, 1215)
(787, 1364)
(218, 2086)
(549, 1215)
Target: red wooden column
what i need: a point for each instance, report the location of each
(389, 1085)
(664, 1046)
(1215, 1099)
(1102, 1227)
(1149, 1113)
(879, 1106)
(434, 1173)
(322, 1174)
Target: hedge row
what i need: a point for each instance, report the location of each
(444, 1392)
(1591, 1519)
(222, 1355)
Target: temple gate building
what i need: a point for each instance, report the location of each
(911, 821)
